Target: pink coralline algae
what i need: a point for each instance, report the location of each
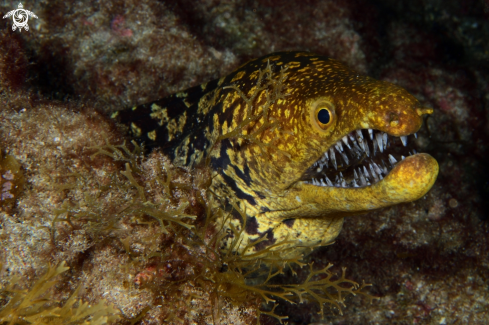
(118, 24)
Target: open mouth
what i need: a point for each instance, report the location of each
(362, 158)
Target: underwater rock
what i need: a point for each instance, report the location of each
(427, 260)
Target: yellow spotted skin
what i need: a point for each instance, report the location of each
(257, 129)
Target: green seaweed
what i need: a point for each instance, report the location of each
(35, 306)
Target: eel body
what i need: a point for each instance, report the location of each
(300, 140)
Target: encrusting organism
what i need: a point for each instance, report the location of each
(11, 180)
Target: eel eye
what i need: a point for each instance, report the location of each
(324, 116)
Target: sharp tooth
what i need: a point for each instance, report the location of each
(333, 158)
(355, 183)
(363, 181)
(386, 171)
(345, 141)
(324, 159)
(385, 138)
(361, 143)
(357, 151)
(352, 138)
(323, 183)
(378, 136)
(392, 160)
(365, 172)
(345, 157)
(355, 177)
(378, 170)
(313, 181)
(328, 181)
(342, 179)
(371, 134)
(404, 140)
(415, 135)
(366, 149)
(359, 134)
(373, 173)
(339, 146)
(402, 157)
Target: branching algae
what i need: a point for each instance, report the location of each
(33, 306)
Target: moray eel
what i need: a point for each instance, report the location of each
(300, 140)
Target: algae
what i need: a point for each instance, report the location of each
(36, 306)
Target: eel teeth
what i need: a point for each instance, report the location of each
(333, 158)
(339, 146)
(355, 148)
(365, 173)
(343, 181)
(363, 181)
(392, 160)
(377, 169)
(373, 173)
(380, 142)
(404, 140)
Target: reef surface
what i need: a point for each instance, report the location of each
(79, 62)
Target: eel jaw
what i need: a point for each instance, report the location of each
(409, 180)
(359, 159)
(351, 179)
